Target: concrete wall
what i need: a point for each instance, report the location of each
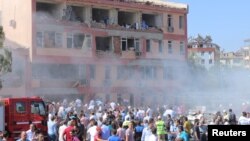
(17, 21)
(1, 8)
(155, 54)
(175, 21)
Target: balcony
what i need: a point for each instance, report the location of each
(54, 1)
(103, 54)
(64, 52)
(82, 83)
(129, 54)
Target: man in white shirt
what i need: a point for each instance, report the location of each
(31, 132)
(61, 130)
(243, 120)
(92, 130)
(146, 133)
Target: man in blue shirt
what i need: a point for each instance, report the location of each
(114, 137)
(184, 136)
(52, 125)
(105, 130)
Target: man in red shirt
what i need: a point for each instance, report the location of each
(68, 130)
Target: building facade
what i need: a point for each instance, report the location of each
(204, 52)
(232, 59)
(113, 50)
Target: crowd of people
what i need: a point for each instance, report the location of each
(110, 122)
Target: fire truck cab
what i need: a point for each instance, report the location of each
(16, 115)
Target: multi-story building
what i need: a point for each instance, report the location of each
(239, 58)
(204, 52)
(114, 50)
(246, 52)
(232, 59)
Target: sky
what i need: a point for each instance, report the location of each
(226, 21)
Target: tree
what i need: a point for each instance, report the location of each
(5, 57)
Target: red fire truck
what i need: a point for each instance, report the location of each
(16, 114)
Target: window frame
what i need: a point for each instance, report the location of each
(170, 47)
(148, 45)
(23, 104)
(181, 22)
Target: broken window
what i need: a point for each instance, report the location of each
(47, 11)
(151, 20)
(75, 40)
(75, 13)
(51, 39)
(103, 43)
(148, 45)
(100, 15)
(127, 19)
(170, 48)
(78, 40)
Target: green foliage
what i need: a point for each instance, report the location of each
(5, 57)
(2, 37)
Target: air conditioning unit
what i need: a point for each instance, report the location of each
(170, 29)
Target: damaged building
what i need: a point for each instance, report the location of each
(112, 50)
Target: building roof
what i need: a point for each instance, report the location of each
(164, 3)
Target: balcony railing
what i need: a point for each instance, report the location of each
(100, 53)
